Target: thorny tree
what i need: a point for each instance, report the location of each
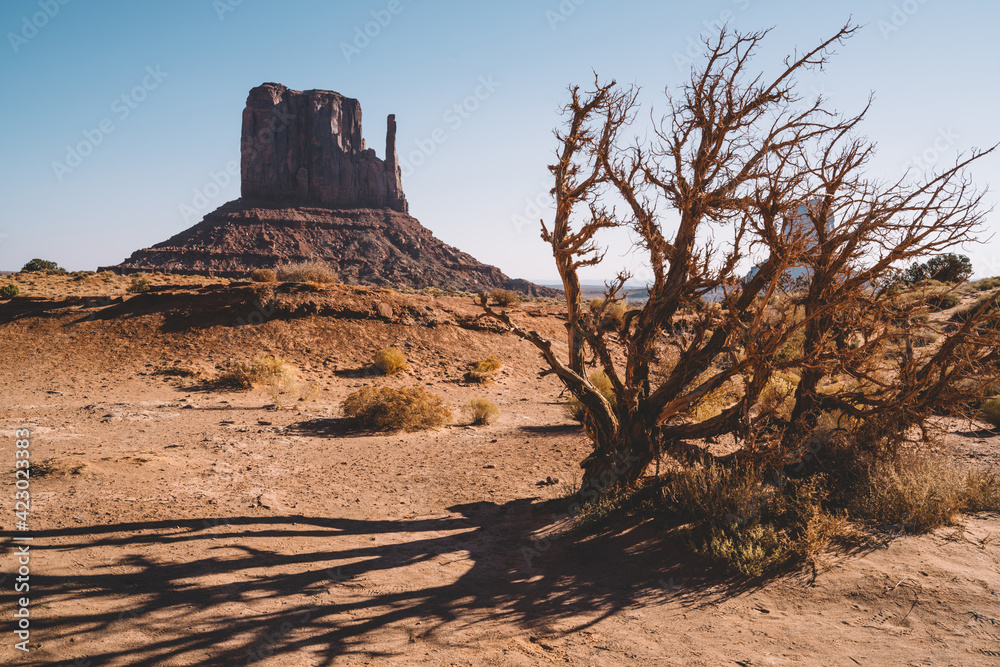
(743, 157)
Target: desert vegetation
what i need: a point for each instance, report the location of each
(505, 297)
(138, 285)
(274, 373)
(389, 409)
(307, 272)
(482, 371)
(37, 265)
(263, 276)
(815, 381)
(481, 411)
(390, 361)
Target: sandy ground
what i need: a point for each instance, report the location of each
(186, 526)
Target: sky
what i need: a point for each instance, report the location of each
(122, 119)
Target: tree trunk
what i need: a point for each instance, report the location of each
(618, 459)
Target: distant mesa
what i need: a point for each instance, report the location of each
(312, 190)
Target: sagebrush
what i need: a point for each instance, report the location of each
(307, 272)
(481, 411)
(390, 361)
(389, 409)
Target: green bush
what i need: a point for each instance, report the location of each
(949, 268)
(481, 411)
(9, 291)
(388, 409)
(41, 265)
(138, 284)
(390, 361)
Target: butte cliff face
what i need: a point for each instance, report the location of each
(312, 190)
(307, 146)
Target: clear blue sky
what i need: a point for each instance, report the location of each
(185, 67)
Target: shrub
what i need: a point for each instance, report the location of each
(138, 284)
(962, 314)
(986, 284)
(733, 516)
(263, 276)
(916, 493)
(943, 301)
(611, 314)
(388, 409)
(9, 291)
(778, 396)
(307, 272)
(41, 265)
(505, 297)
(990, 412)
(390, 361)
(481, 411)
(483, 371)
(950, 268)
(273, 372)
(600, 380)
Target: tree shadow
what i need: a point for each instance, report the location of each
(981, 433)
(366, 371)
(332, 597)
(552, 429)
(328, 427)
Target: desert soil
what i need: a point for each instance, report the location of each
(184, 525)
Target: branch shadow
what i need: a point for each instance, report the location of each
(330, 598)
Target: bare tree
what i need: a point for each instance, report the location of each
(743, 156)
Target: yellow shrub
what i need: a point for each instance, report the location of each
(390, 361)
(388, 409)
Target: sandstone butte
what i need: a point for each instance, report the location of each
(311, 190)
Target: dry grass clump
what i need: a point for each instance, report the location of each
(990, 411)
(269, 371)
(985, 284)
(505, 297)
(481, 411)
(574, 408)
(919, 493)
(263, 276)
(482, 371)
(390, 361)
(388, 409)
(943, 301)
(778, 396)
(307, 272)
(610, 314)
